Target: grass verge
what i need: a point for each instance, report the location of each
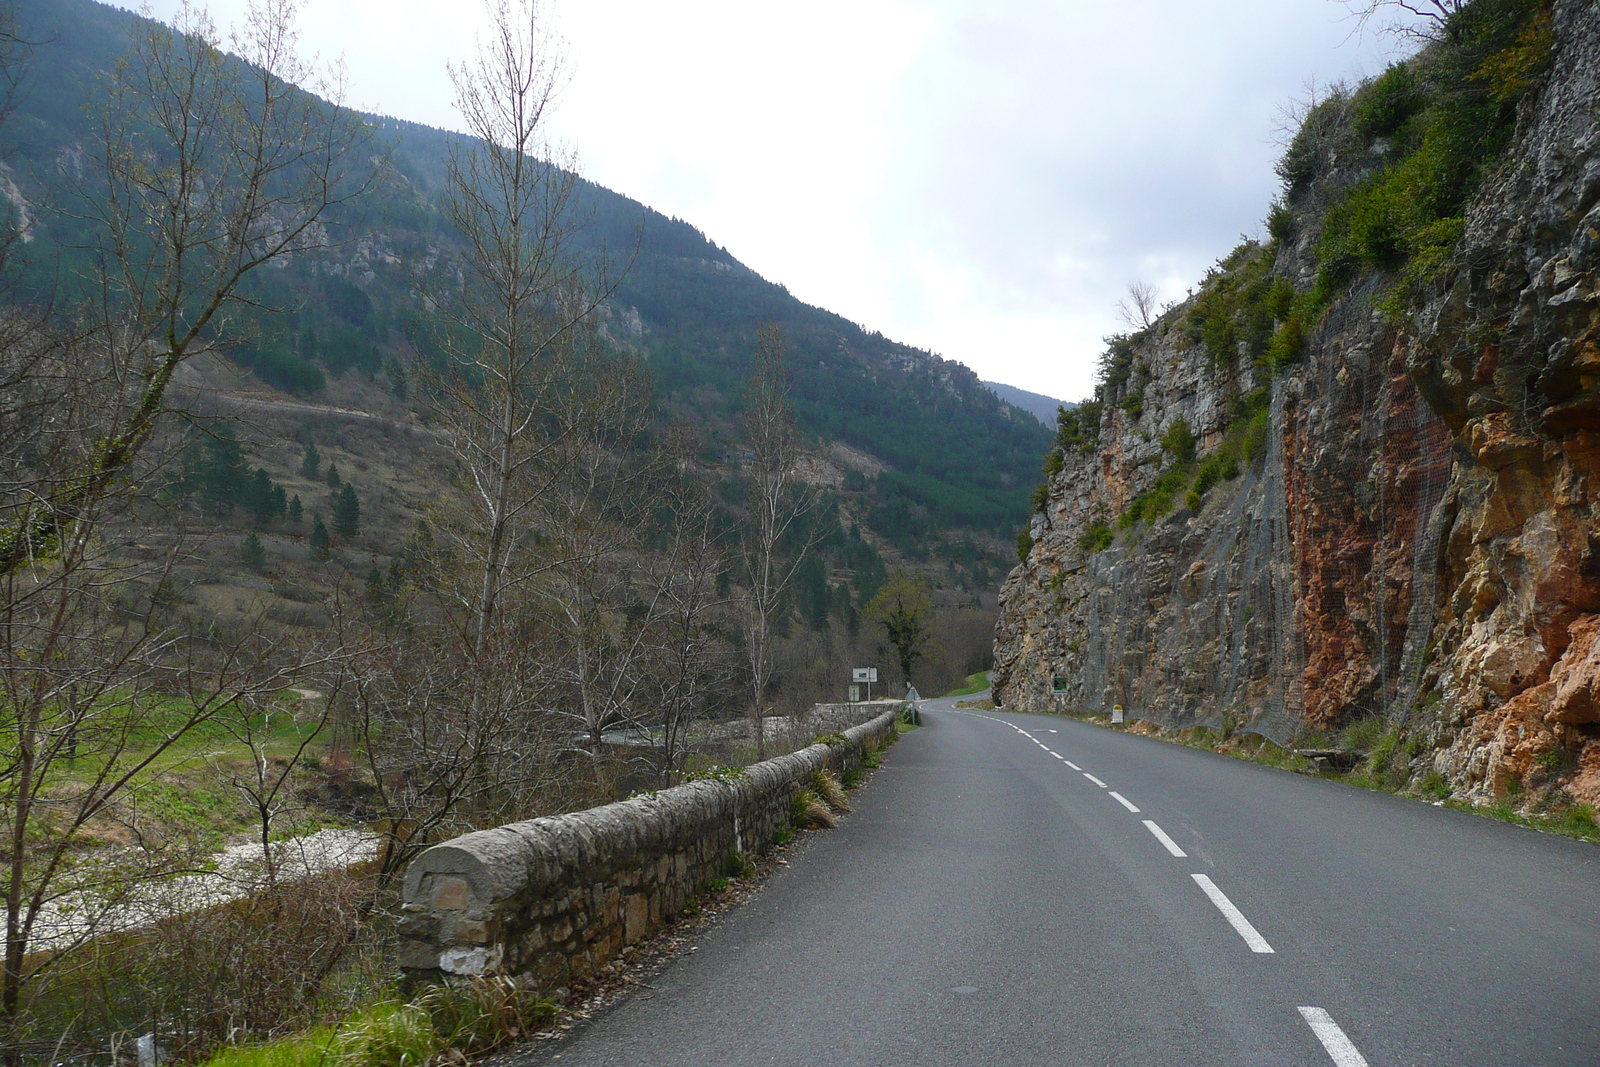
(1378, 771)
(975, 683)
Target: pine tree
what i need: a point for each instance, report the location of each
(347, 512)
(320, 541)
(252, 552)
(225, 479)
(258, 497)
(280, 502)
(333, 476)
(297, 510)
(312, 463)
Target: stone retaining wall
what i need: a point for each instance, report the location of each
(558, 897)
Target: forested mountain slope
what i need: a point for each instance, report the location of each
(954, 456)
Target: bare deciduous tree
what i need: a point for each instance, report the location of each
(691, 663)
(778, 500)
(207, 169)
(1406, 18)
(1141, 307)
(454, 714)
(514, 357)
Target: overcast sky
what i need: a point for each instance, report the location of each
(982, 178)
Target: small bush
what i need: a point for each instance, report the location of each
(1578, 821)
(484, 1013)
(1096, 538)
(1079, 429)
(1381, 752)
(1178, 441)
(1280, 222)
(1024, 544)
(826, 784)
(385, 1035)
(1155, 501)
(871, 756)
(1388, 102)
(740, 864)
(1302, 163)
(1363, 735)
(808, 809)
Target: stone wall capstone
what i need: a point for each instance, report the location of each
(557, 897)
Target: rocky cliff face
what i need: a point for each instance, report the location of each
(1400, 520)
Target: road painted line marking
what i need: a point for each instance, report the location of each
(1125, 802)
(1074, 766)
(1340, 1048)
(1234, 916)
(1161, 835)
(1095, 780)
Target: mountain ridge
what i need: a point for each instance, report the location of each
(955, 456)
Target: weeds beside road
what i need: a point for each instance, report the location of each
(1381, 757)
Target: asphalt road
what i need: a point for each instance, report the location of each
(988, 902)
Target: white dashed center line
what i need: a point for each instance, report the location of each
(1340, 1048)
(1161, 835)
(1234, 916)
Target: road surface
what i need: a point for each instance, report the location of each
(1019, 889)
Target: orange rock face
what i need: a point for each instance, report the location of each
(1421, 540)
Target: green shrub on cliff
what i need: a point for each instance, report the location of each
(1096, 538)
(1156, 501)
(1178, 441)
(1448, 113)
(1240, 305)
(1078, 430)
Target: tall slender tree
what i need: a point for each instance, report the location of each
(778, 500)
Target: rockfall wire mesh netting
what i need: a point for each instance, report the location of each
(1307, 595)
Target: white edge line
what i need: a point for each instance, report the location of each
(1095, 780)
(1340, 1048)
(1161, 835)
(1235, 917)
(1125, 802)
